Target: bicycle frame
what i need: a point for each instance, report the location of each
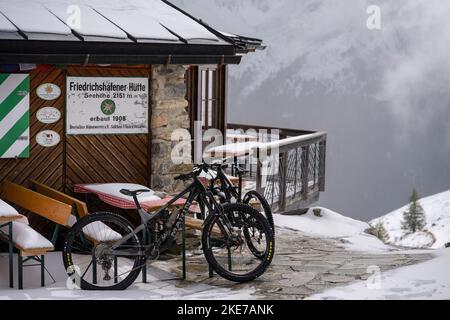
(227, 186)
(196, 191)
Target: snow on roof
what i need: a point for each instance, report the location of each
(7, 29)
(141, 27)
(33, 18)
(179, 23)
(143, 20)
(92, 23)
(6, 25)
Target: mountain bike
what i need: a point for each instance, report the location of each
(227, 192)
(104, 251)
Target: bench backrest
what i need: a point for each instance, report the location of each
(39, 204)
(80, 206)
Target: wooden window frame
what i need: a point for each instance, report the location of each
(194, 98)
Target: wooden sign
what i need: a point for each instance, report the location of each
(97, 105)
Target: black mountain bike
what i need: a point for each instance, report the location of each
(222, 187)
(227, 192)
(104, 251)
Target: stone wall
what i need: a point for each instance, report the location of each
(169, 112)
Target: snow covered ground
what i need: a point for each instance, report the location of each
(162, 284)
(334, 225)
(427, 280)
(437, 212)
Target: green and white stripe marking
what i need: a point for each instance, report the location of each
(14, 115)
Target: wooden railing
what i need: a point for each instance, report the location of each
(288, 167)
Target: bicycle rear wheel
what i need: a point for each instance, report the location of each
(229, 254)
(88, 256)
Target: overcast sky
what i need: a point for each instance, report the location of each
(383, 95)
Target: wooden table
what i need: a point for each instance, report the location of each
(236, 137)
(123, 203)
(234, 151)
(8, 237)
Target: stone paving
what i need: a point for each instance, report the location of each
(303, 266)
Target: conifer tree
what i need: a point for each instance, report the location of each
(379, 231)
(414, 217)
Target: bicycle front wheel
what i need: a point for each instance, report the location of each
(253, 198)
(261, 202)
(92, 258)
(228, 252)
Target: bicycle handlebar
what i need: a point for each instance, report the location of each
(195, 172)
(198, 168)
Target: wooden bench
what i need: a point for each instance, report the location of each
(197, 224)
(31, 244)
(79, 209)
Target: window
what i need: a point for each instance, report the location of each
(208, 97)
(206, 90)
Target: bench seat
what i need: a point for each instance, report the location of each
(7, 212)
(28, 240)
(32, 245)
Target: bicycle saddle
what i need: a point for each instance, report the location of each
(132, 193)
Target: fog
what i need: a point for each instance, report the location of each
(382, 95)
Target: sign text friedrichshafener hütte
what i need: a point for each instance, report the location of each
(98, 105)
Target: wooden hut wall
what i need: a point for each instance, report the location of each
(45, 164)
(108, 158)
(79, 158)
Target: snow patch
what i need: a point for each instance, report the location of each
(101, 232)
(331, 224)
(113, 189)
(418, 239)
(28, 238)
(6, 210)
(159, 286)
(437, 214)
(424, 281)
